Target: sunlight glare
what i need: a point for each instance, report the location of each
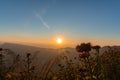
(59, 40)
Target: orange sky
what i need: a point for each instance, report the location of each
(53, 44)
(39, 22)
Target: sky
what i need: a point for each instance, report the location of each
(40, 22)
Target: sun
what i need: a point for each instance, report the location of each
(59, 41)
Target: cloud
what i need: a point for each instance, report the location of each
(41, 19)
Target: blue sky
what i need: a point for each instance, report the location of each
(40, 21)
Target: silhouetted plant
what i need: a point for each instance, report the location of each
(83, 51)
(69, 71)
(104, 66)
(29, 68)
(2, 66)
(83, 47)
(97, 47)
(111, 64)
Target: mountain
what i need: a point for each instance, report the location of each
(44, 56)
(41, 56)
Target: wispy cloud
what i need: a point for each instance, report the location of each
(41, 19)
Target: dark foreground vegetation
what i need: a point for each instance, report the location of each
(88, 66)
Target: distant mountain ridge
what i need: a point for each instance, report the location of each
(26, 48)
(44, 56)
(22, 49)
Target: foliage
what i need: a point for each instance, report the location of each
(104, 66)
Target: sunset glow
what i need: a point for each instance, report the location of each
(41, 22)
(59, 41)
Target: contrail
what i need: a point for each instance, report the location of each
(41, 19)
